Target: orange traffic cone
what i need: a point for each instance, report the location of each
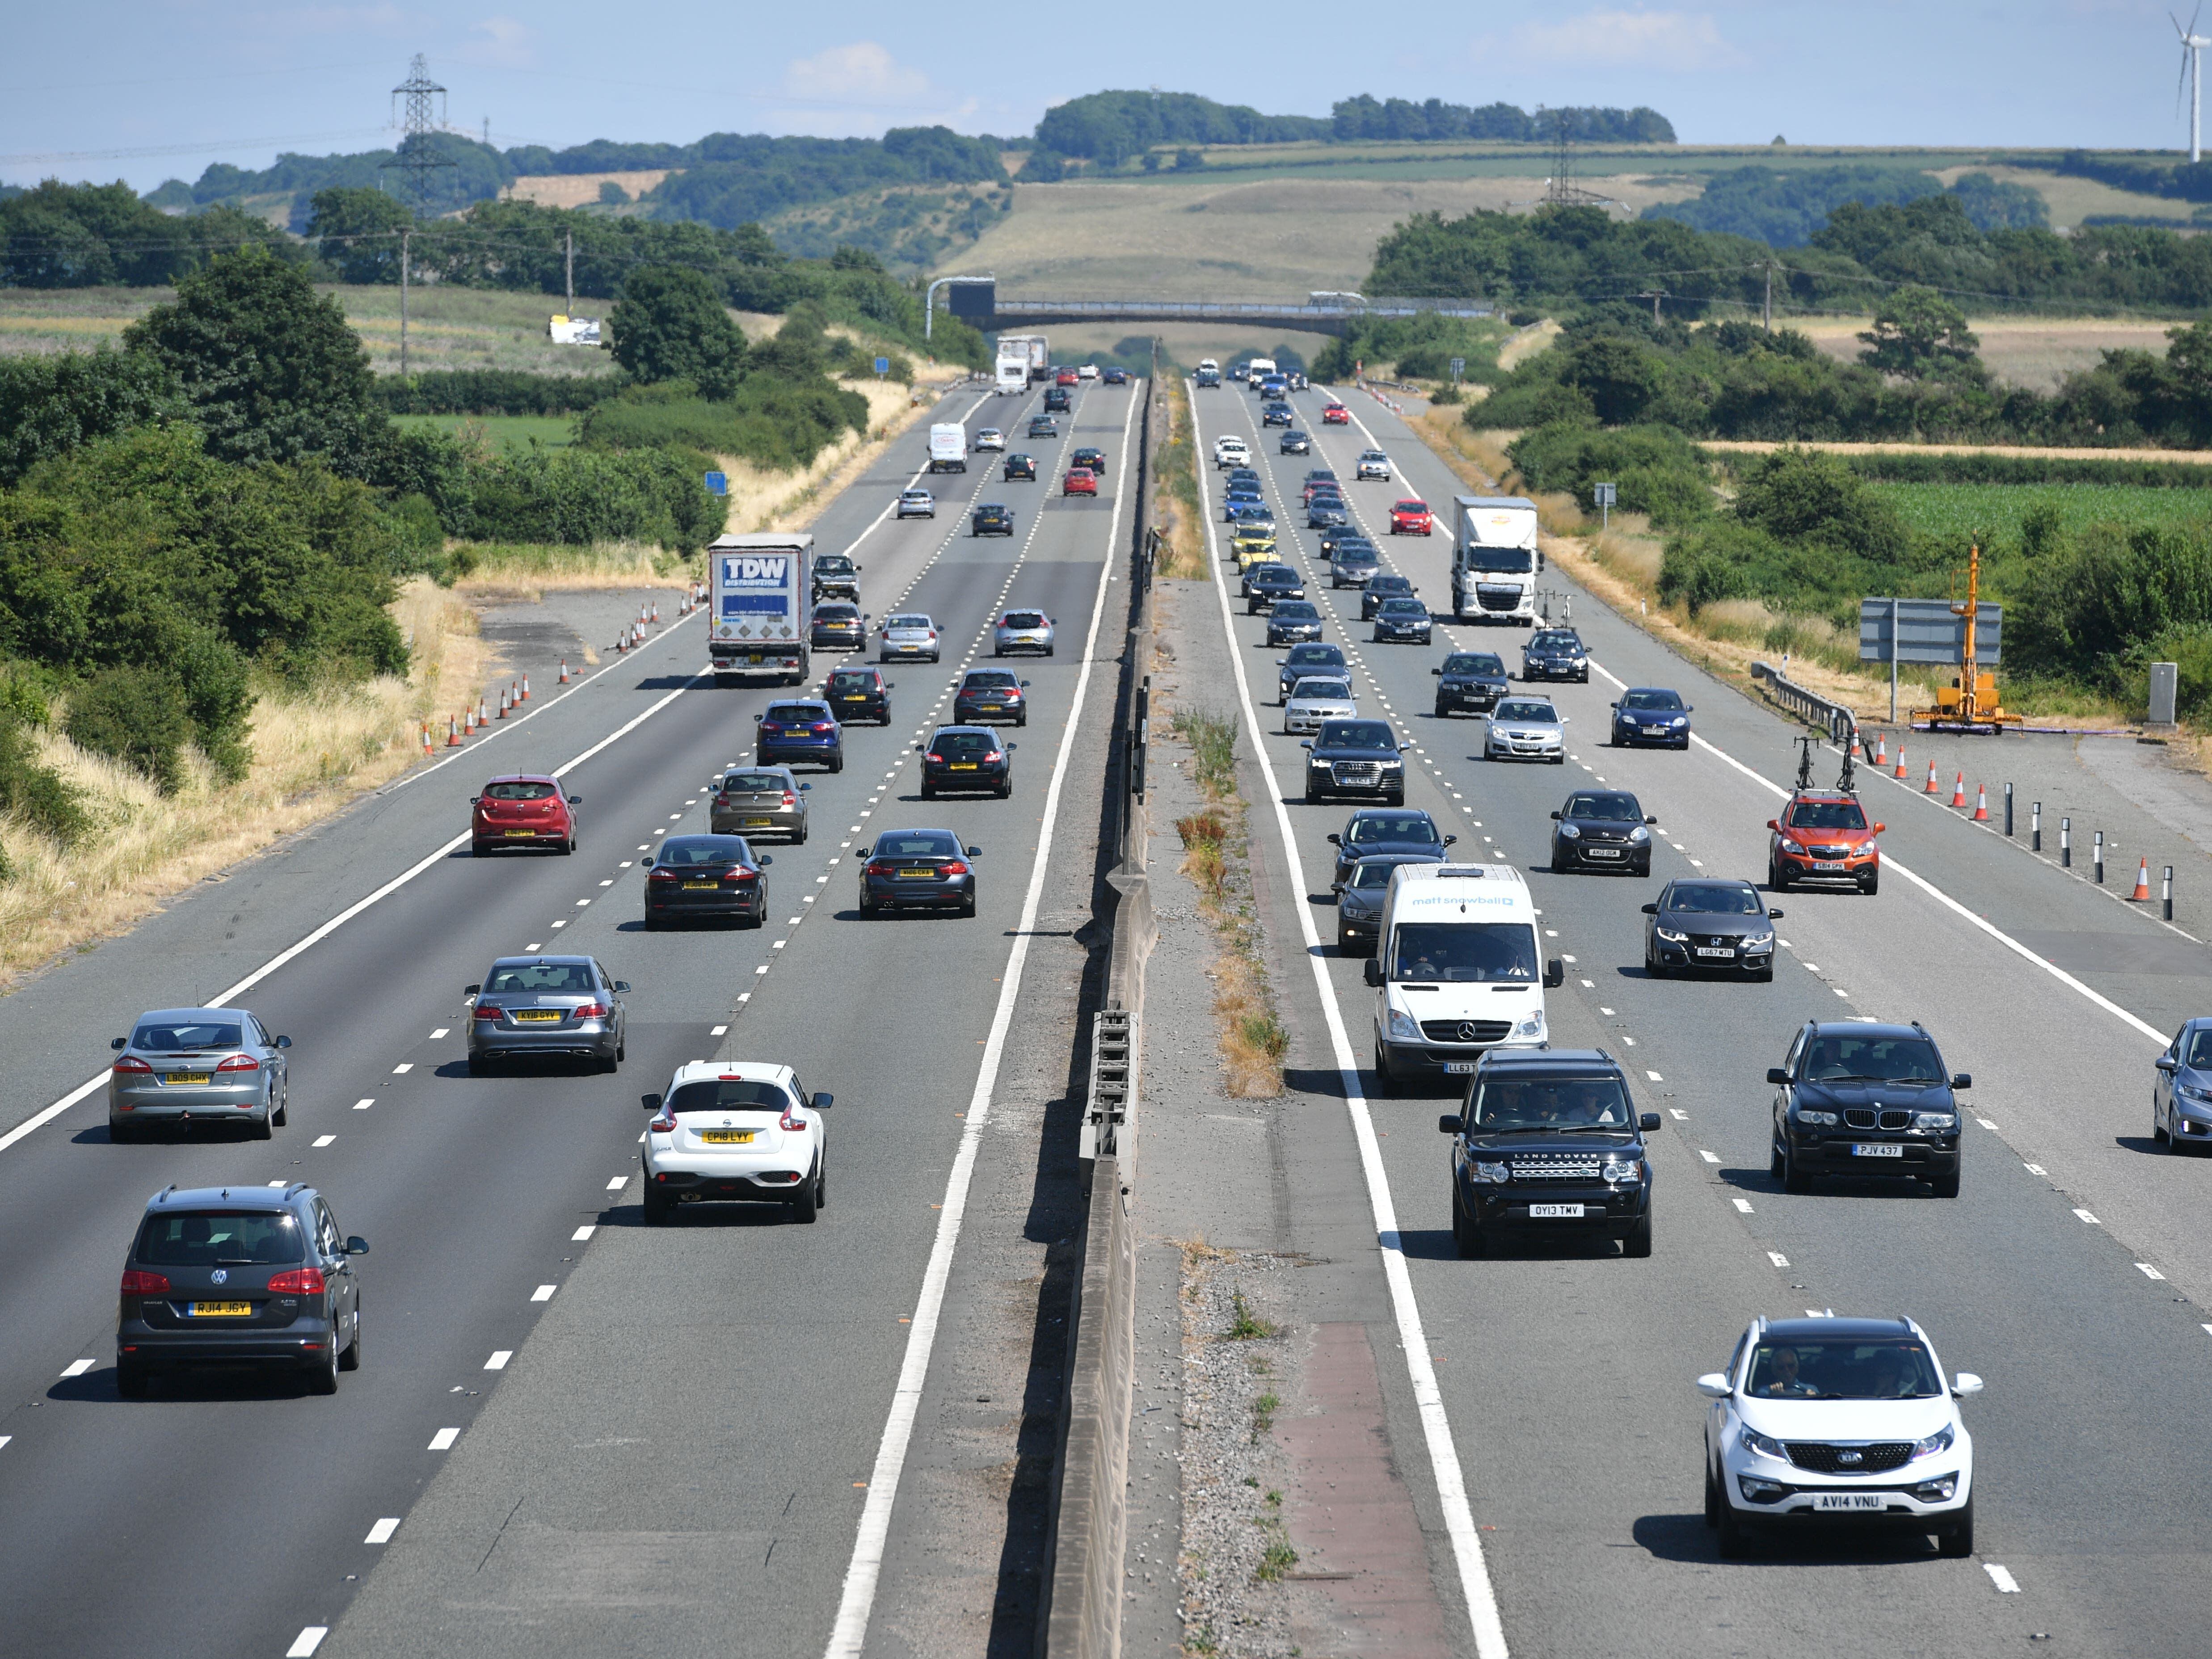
(1959, 793)
(502, 705)
(453, 732)
(656, 613)
(1881, 752)
(481, 719)
(2142, 895)
(526, 688)
(1981, 804)
(468, 722)
(1934, 787)
(1856, 752)
(564, 671)
(1900, 760)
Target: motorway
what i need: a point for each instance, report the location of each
(1559, 1476)
(556, 1408)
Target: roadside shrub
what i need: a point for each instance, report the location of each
(656, 496)
(137, 716)
(1658, 471)
(37, 794)
(493, 392)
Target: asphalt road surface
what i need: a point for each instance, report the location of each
(2074, 1272)
(717, 1408)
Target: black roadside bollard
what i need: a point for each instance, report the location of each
(2007, 811)
(2066, 843)
(2167, 887)
(2035, 828)
(2097, 855)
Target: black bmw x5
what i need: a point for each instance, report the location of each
(1857, 1099)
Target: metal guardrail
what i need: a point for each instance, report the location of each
(1840, 723)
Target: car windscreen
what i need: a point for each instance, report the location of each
(1388, 585)
(1373, 872)
(851, 679)
(1358, 735)
(1305, 653)
(1550, 1103)
(1887, 1368)
(558, 978)
(890, 622)
(1402, 607)
(1700, 898)
(1552, 642)
(1473, 662)
(1296, 611)
(1607, 807)
(729, 1095)
(1826, 815)
(215, 1239)
(1848, 1057)
(1465, 952)
(519, 791)
(836, 564)
(692, 850)
(1651, 700)
(1505, 561)
(1335, 691)
(1541, 714)
(756, 783)
(1024, 619)
(793, 713)
(1371, 827)
(1410, 507)
(995, 679)
(836, 611)
(909, 845)
(184, 1038)
(963, 743)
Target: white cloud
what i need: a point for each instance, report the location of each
(502, 43)
(862, 89)
(1675, 40)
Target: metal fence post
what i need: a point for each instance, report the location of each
(2007, 811)
(2066, 843)
(2097, 856)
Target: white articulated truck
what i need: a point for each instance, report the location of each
(1031, 348)
(1495, 560)
(948, 447)
(758, 591)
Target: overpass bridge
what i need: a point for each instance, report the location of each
(977, 301)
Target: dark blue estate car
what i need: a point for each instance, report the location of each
(794, 733)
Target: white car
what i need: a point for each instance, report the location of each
(1087, 371)
(1525, 728)
(1230, 452)
(1838, 1420)
(909, 634)
(1374, 464)
(1314, 700)
(735, 1131)
(991, 438)
(916, 504)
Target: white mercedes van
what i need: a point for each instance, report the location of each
(1455, 970)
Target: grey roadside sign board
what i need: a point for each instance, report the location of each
(1927, 631)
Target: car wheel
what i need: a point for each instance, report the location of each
(323, 1373)
(1794, 1180)
(1872, 885)
(1765, 975)
(821, 1185)
(479, 850)
(283, 1109)
(1712, 1498)
(1047, 650)
(1653, 968)
(130, 1380)
(1776, 880)
(836, 763)
(968, 905)
(1467, 1237)
(1945, 1186)
(929, 794)
(1024, 719)
(1386, 1080)
(1637, 1244)
(1440, 713)
(1559, 759)
(568, 847)
(1958, 1540)
(804, 1206)
(478, 1065)
(264, 1126)
(1732, 1541)
(1774, 1158)
(652, 923)
(350, 1360)
(1006, 790)
(658, 1205)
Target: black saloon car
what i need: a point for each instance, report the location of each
(1296, 442)
(1309, 659)
(1555, 653)
(835, 577)
(1059, 400)
(1380, 586)
(1719, 925)
(1093, 459)
(1264, 584)
(1020, 469)
(919, 870)
(702, 876)
(1602, 829)
(793, 731)
(838, 625)
(1360, 900)
(1403, 620)
(1548, 1143)
(963, 758)
(990, 693)
(1359, 758)
(1292, 621)
(1043, 426)
(1408, 833)
(858, 694)
(1470, 681)
(1651, 714)
(992, 519)
(1860, 1099)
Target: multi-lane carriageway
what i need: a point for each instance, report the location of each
(1551, 1428)
(570, 1435)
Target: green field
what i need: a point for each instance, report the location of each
(512, 431)
(1995, 511)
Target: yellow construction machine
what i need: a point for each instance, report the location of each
(1970, 702)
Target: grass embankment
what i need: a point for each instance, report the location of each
(764, 498)
(507, 431)
(1216, 859)
(1177, 513)
(314, 752)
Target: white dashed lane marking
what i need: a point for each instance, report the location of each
(443, 1440)
(543, 1293)
(77, 1368)
(498, 1361)
(382, 1531)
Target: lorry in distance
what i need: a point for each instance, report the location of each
(757, 589)
(1032, 349)
(948, 447)
(1495, 559)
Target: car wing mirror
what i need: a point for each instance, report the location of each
(1450, 840)
(1555, 817)
(124, 1043)
(1714, 1385)
(1775, 1074)
(1012, 747)
(1650, 818)
(1774, 915)
(765, 859)
(757, 717)
(918, 749)
(1650, 910)
(1772, 825)
(356, 1245)
(284, 1042)
(651, 1102)
(1555, 973)
(1449, 1123)
(822, 1102)
(476, 800)
(1436, 671)
(472, 990)
(1648, 1123)
(1307, 744)
(1879, 828)
(1025, 685)
(2164, 1062)
(1336, 840)
(575, 801)
(804, 787)
(1964, 1080)
(1373, 972)
(975, 852)
(620, 986)
(1965, 1384)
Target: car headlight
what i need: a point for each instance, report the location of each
(1495, 1174)
(1758, 941)
(1678, 721)
(2191, 1091)
(1622, 1169)
(1394, 766)
(1532, 1026)
(1669, 934)
(1403, 1024)
(1944, 1120)
(1939, 1441)
(1828, 1120)
(1639, 835)
(1569, 832)
(1762, 1445)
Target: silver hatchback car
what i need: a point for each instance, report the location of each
(759, 800)
(1315, 699)
(1022, 630)
(547, 1006)
(910, 633)
(187, 1066)
(916, 504)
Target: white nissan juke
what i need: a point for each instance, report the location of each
(736, 1131)
(1838, 1421)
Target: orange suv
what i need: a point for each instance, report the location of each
(1823, 835)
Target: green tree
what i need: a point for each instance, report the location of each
(670, 324)
(1807, 496)
(49, 405)
(1917, 333)
(1621, 377)
(137, 715)
(272, 369)
(357, 232)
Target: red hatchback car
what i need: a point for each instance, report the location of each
(1336, 415)
(1412, 518)
(1080, 481)
(1067, 377)
(523, 810)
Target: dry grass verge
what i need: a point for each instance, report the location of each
(525, 571)
(1177, 511)
(764, 498)
(314, 752)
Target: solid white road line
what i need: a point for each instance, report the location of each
(858, 1600)
(1436, 1426)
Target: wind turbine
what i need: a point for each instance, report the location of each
(2193, 70)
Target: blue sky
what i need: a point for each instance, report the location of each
(89, 88)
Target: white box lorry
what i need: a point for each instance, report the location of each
(1012, 377)
(1495, 560)
(1458, 968)
(1031, 348)
(758, 623)
(948, 447)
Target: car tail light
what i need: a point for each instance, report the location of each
(956, 868)
(821, 726)
(1012, 694)
(140, 1283)
(240, 1063)
(132, 1065)
(301, 1281)
(738, 873)
(483, 1012)
(790, 1124)
(934, 756)
(878, 867)
(771, 726)
(662, 875)
(591, 1011)
(790, 800)
(663, 1123)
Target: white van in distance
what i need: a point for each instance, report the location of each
(1455, 970)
